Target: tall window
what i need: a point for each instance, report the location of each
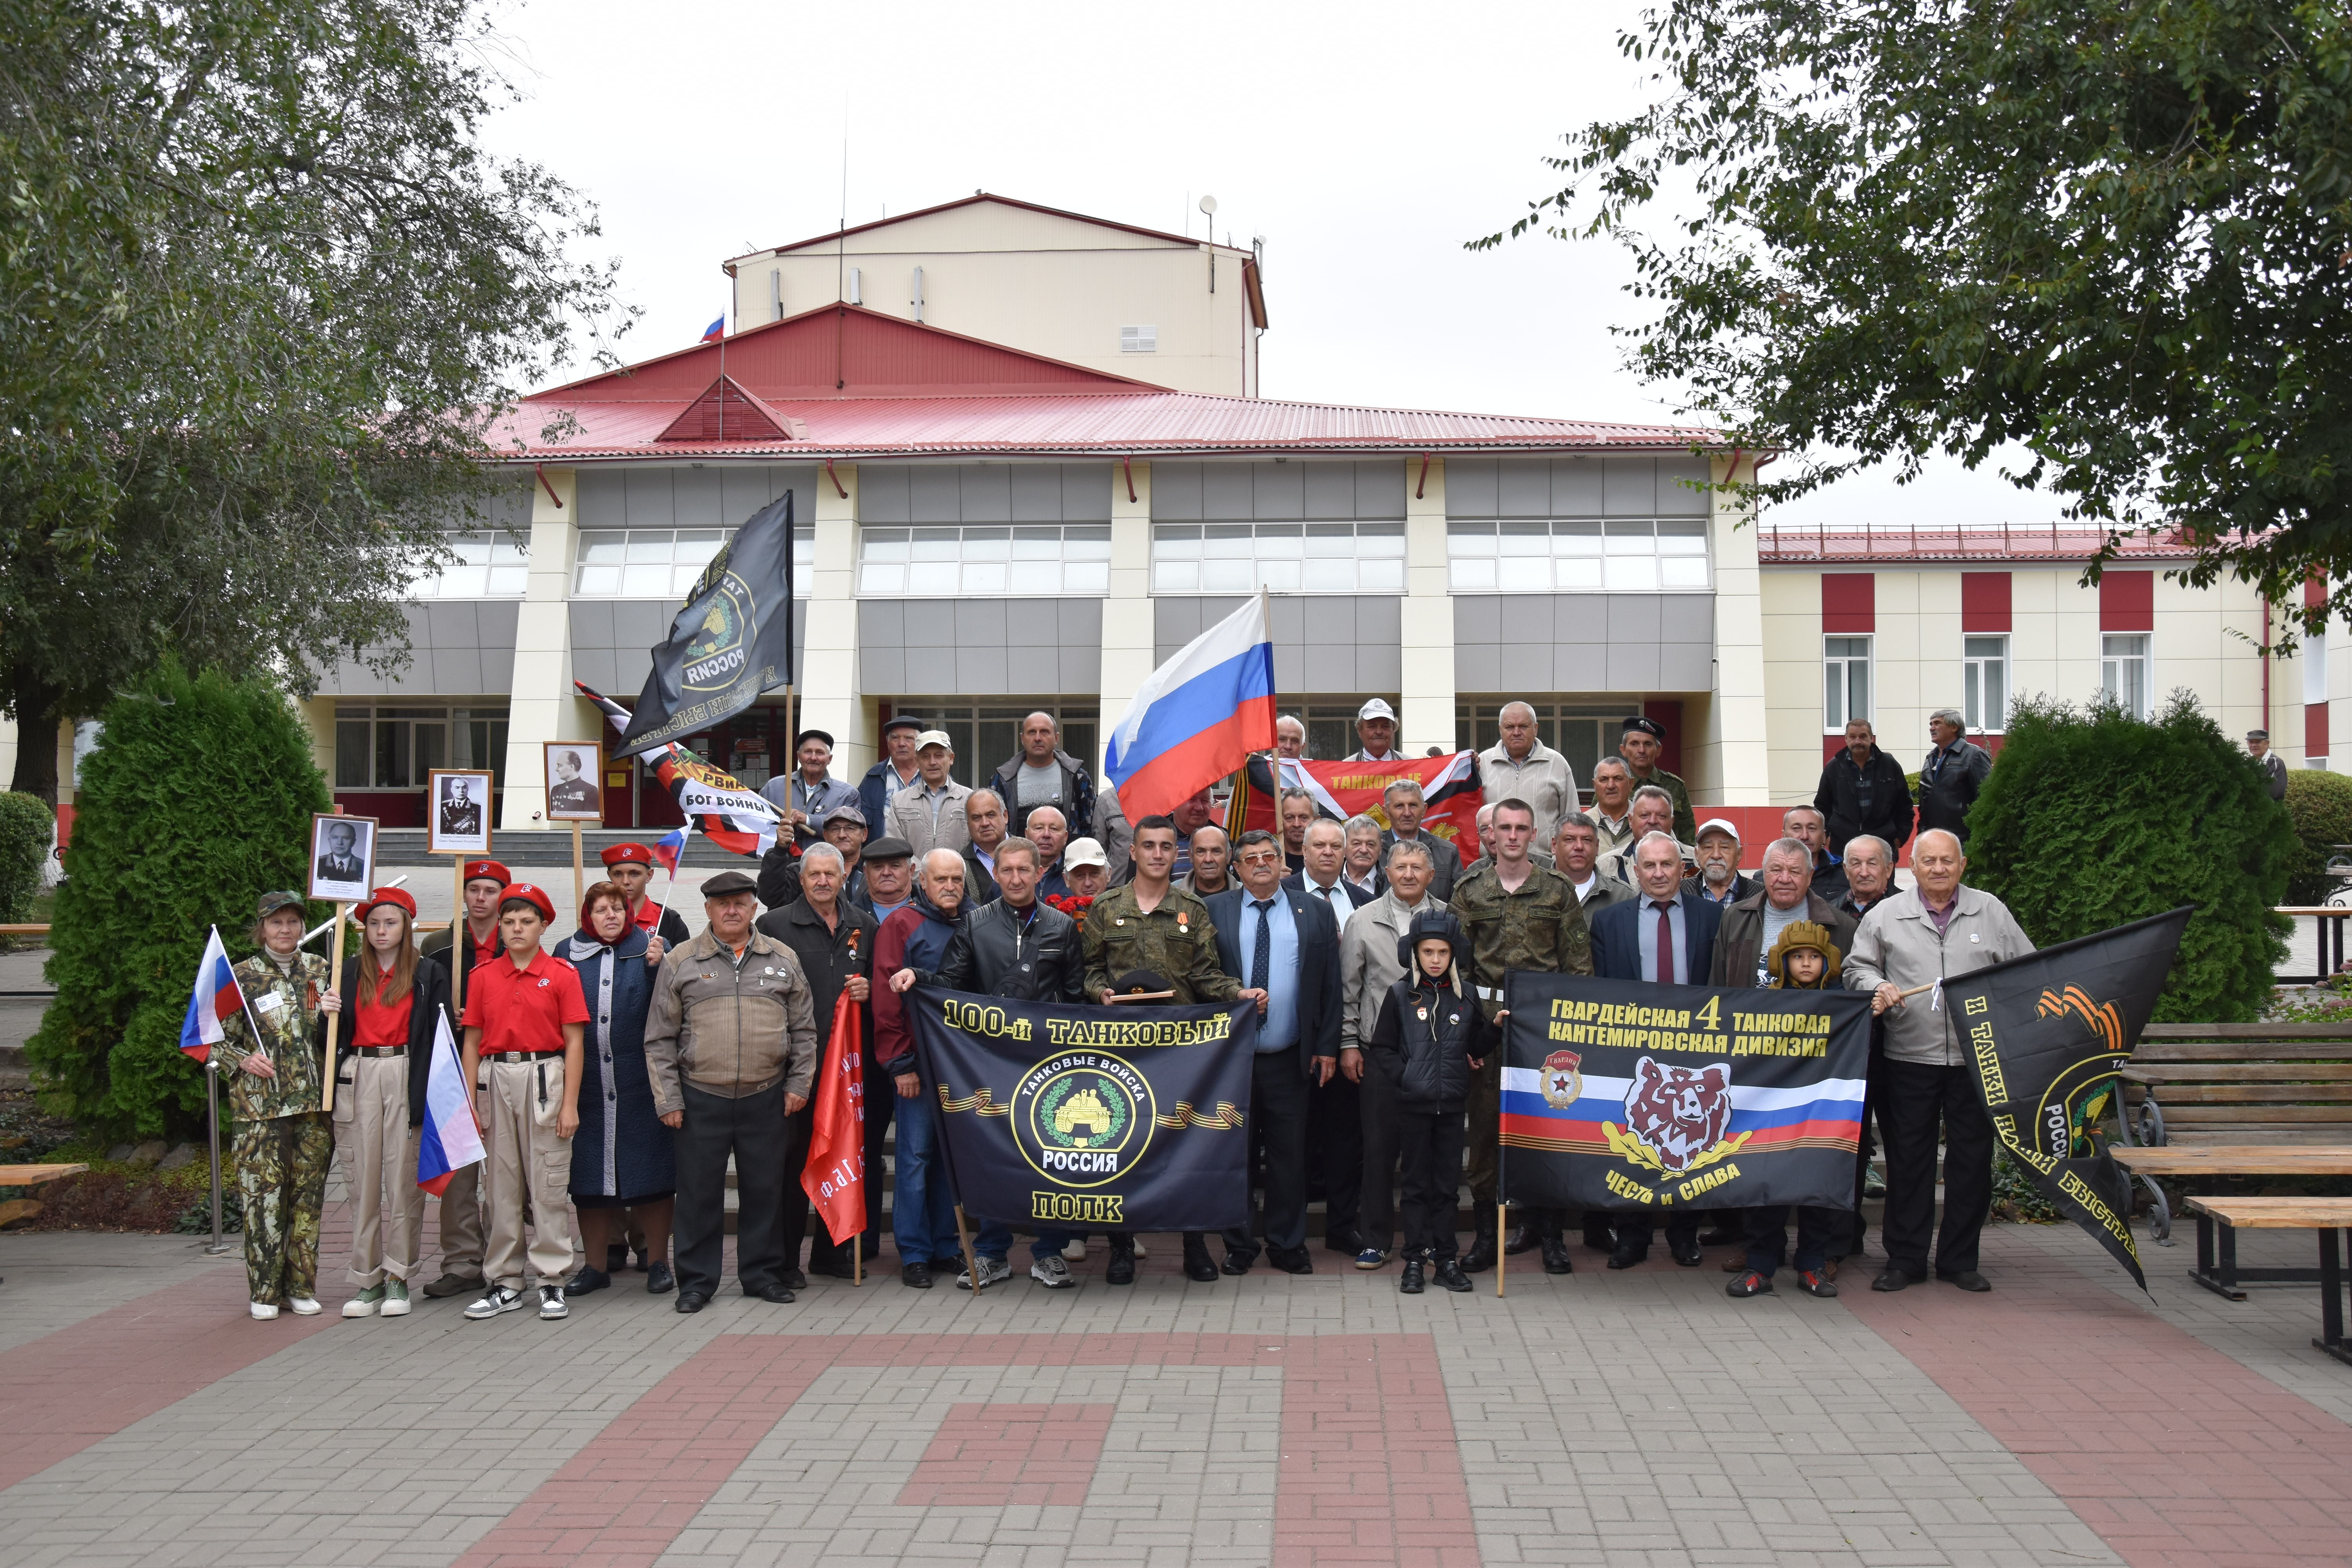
(2315, 666)
(398, 747)
(664, 563)
(1287, 557)
(490, 565)
(1019, 560)
(1984, 683)
(1845, 682)
(2123, 671)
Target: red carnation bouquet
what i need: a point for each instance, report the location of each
(1071, 904)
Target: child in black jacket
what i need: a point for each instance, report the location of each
(1429, 1038)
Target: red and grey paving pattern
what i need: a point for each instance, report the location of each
(1639, 1417)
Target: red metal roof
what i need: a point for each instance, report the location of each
(974, 198)
(916, 391)
(1781, 546)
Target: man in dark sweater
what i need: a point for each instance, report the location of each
(1863, 790)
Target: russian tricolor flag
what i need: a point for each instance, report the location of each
(716, 330)
(670, 849)
(214, 1002)
(451, 1139)
(1198, 718)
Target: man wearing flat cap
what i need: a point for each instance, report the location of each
(897, 770)
(843, 828)
(1641, 745)
(2274, 766)
(806, 794)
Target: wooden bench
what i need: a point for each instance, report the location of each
(2327, 1217)
(2240, 1084)
(14, 1209)
(2217, 1259)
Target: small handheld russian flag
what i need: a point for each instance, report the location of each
(670, 849)
(716, 330)
(450, 1141)
(212, 1003)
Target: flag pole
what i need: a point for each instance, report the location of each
(334, 975)
(857, 1257)
(461, 937)
(672, 885)
(963, 1240)
(579, 872)
(212, 1112)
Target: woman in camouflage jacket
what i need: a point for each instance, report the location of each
(284, 1139)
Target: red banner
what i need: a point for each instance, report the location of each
(1449, 785)
(834, 1177)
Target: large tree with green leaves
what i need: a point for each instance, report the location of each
(261, 289)
(2117, 236)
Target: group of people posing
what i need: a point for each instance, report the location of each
(622, 1071)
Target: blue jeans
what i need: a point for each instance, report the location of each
(922, 1214)
(995, 1240)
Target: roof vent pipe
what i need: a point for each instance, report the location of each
(917, 300)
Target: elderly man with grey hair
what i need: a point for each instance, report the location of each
(1405, 805)
(1653, 811)
(1518, 766)
(1925, 1093)
(1953, 775)
(1367, 849)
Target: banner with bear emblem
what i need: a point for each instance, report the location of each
(1126, 1118)
(1620, 1094)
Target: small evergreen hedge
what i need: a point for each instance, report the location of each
(27, 825)
(2320, 807)
(197, 800)
(2093, 818)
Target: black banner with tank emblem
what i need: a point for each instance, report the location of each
(2046, 1035)
(1620, 1094)
(1090, 1117)
(732, 641)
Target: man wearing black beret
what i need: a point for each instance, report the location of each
(1640, 745)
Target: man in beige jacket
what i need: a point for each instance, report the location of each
(1368, 967)
(929, 813)
(730, 1046)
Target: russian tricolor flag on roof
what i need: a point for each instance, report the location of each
(451, 1140)
(215, 1000)
(1198, 718)
(716, 330)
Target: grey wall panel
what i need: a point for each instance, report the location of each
(1470, 486)
(594, 666)
(1278, 491)
(497, 668)
(979, 671)
(1176, 621)
(641, 623)
(1176, 492)
(447, 623)
(930, 623)
(743, 491)
(1379, 620)
(1324, 667)
(1524, 488)
(695, 493)
(602, 499)
(592, 623)
(1380, 669)
(882, 491)
(1477, 666)
(630, 667)
(1577, 487)
(1329, 489)
(1582, 642)
(986, 492)
(1630, 487)
(1342, 643)
(1632, 667)
(1080, 622)
(989, 648)
(1686, 667)
(1086, 491)
(981, 623)
(934, 495)
(1686, 618)
(1037, 491)
(882, 669)
(930, 671)
(1226, 493)
(881, 623)
(1081, 669)
(652, 498)
(1633, 617)
(1381, 489)
(1677, 498)
(1331, 622)
(497, 619)
(457, 670)
(1032, 666)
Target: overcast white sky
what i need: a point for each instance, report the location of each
(1365, 144)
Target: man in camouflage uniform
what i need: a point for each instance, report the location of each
(1640, 745)
(1517, 915)
(1149, 925)
(284, 1139)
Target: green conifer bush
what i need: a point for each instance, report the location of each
(27, 824)
(197, 799)
(2093, 818)
(2320, 807)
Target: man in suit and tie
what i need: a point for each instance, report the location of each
(1284, 947)
(1335, 1112)
(1406, 805)
(342, 861)
(1666, 936)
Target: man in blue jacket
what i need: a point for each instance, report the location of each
(1666, 936)
(895, 772)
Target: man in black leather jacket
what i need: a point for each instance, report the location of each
(1022, 948)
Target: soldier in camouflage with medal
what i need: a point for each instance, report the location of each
(284, 1140)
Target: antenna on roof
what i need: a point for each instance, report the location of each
(841, 253)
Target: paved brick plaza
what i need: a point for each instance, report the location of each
(1640, 1417)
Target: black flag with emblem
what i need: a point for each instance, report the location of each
(1126, 1118)
(731, 642)
(2046, 1035)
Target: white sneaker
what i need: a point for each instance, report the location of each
(498, 1300)
(1051, 1273)
(1141, 1250)
(304, 1307)
(264, 1311)
(993, 1271)
(365, 1304)
(1074, 1251)
(551, 1304)
(395, 1300)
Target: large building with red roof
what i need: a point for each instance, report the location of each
(1034, 515)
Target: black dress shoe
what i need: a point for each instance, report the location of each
(1121, 1267)
(1721, 1235)
(1556, 1258)
(1199, 1267)
(778, 1294)
(1521, 1238)
(1409, 1283)
(691, 1301)
(795, 1281)
(1238, 1262)
(1967, 1279)
(1346, 1241)
(1291, 1259)
(917, 1274)
(1689, 1256)
(659, 1280)
(1628, 1256)
(1893, 1280)
(1450, 1274)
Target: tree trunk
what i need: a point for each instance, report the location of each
(35, 702)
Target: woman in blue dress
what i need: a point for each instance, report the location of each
(622, 1162)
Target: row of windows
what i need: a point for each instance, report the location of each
(1846, 688)
(1287, 557)
(975, 559)
(664, 563)
(1628, 555)
(399, 747)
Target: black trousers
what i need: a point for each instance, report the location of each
(1858, 1226)
(881, 1104)
(793, 1211)
(1377, 1122)
(1916, 1100)
(752, 1130)
(1278, 1104)
(1334, 1139)
(1635, 1228)
(1768, 1236)
(1430, 1142)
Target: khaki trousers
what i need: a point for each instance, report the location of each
(379, 1154)
(526, 1157)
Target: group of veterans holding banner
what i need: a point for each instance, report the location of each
(621, 1073)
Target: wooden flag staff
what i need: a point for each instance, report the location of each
(579, 873)
(335, 978)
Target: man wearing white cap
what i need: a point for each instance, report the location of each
(1376, 731)
(1086, 868)
(929, 813)
(1720, 880)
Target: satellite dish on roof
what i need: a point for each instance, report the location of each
(1209, 205)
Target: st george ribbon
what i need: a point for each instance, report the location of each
(2046, 1035)
(1619, 1094)
(1126, 1118)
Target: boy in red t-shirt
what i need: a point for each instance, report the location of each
(525, 1018)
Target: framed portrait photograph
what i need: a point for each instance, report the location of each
(342, 858)
(457, 812)
(572, 793)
